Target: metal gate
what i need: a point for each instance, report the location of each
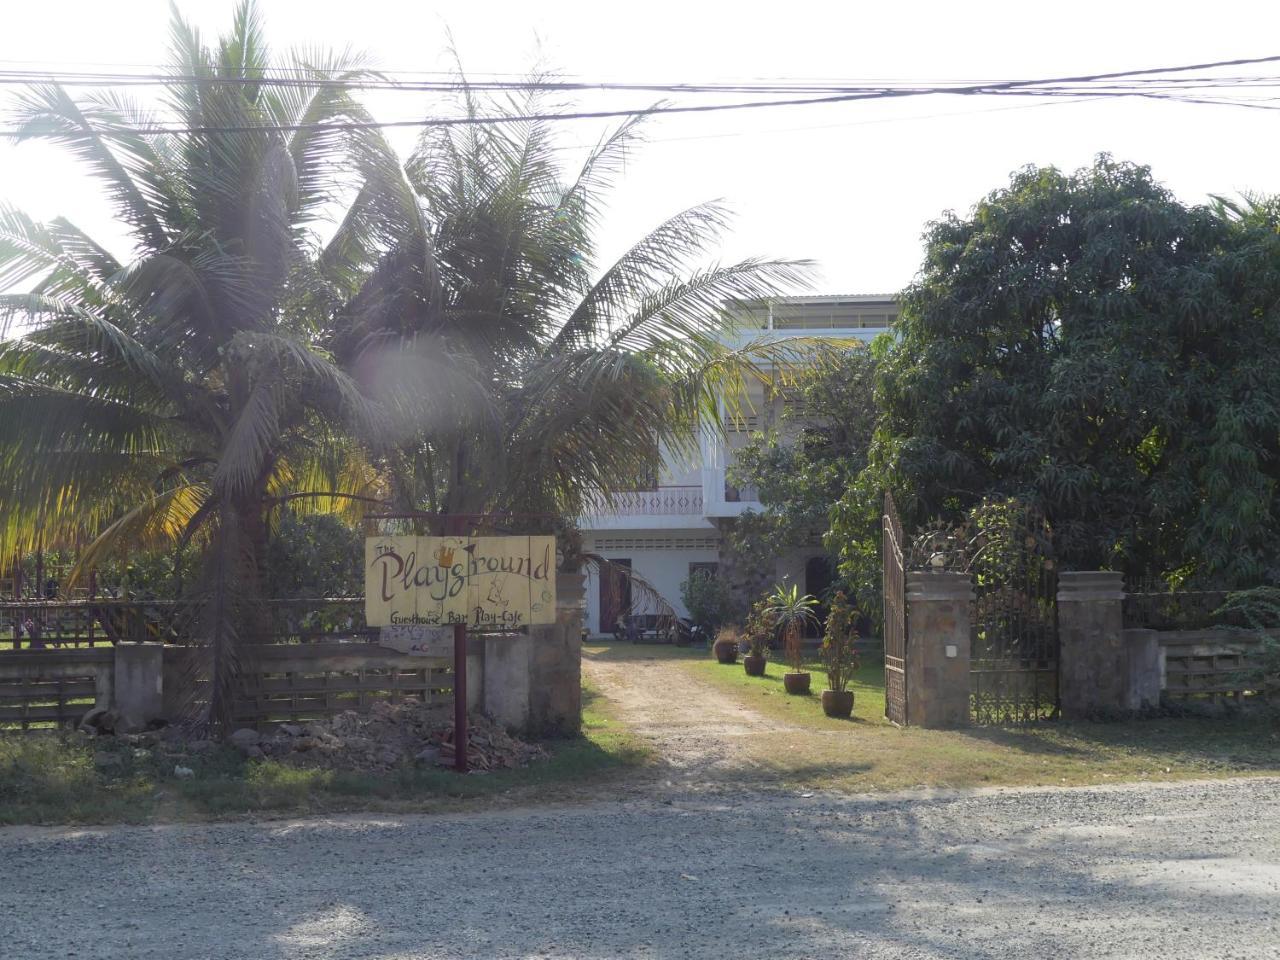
(1013, 676)
(895, 615)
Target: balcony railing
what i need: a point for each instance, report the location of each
(684, 501)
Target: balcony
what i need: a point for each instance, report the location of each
(684, 501)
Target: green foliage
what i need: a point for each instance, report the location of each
(839, 650)
(315, 556)
(804, 466)
(1092, 347)
(522, 373)
(172, 399)
(708, 599)
(791, 612)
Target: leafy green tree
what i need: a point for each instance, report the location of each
(522, 374)
(319, 555)
(804, 466)
(177, 396)
(1089, 345)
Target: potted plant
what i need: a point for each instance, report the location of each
(839, 656)
(791, 614)
(726, 646)
(759, 630)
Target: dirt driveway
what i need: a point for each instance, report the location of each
(700, 735)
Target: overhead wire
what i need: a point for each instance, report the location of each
(1152, 83)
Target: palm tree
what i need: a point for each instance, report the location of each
(179, 394)
(522, 375)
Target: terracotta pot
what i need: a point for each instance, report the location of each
(837, 703)
(726, 651)
(796, 682)
(754, 665)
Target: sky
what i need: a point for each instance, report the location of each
(851, 186)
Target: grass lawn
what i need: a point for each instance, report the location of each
(46, 778)
(869, 753)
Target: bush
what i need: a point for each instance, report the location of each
(708, 600)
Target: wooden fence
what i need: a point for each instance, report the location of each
(42, 624)
(52, 688)
(1206, 665)
(307, 682)
(48, 689)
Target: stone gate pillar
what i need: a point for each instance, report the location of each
(555, 663)
(939, 610)
(1092, 668)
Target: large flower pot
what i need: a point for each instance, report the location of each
(796, 682)
(837, 703)
(754, 665)
(726, 651)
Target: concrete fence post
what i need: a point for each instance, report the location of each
(939, 610)
(1093, 664)
(1143, 665)
(138, 685)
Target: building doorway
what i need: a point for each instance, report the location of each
(615, 593)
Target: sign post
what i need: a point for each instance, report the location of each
(460, 581)
(457, 527)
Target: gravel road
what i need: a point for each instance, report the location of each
(1172, 871)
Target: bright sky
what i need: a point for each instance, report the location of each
(849, 185)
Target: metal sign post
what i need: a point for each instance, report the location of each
(457, 526)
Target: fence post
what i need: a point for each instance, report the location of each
(1142, 669)
(939, 611)
(138, 684)
(1092, 661)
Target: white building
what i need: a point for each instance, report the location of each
(665, 532)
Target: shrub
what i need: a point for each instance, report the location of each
(708, 600)
(760, 629)
(839, 653)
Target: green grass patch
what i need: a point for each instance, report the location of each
(48, 778)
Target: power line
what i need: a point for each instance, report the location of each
(1071, 86)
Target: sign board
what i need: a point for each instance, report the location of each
(496, 582)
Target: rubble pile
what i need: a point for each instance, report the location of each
(389, 735)
(489, 747)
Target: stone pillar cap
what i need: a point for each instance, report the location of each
(1090, 585)
(938, 584)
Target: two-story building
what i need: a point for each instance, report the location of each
(666, 532)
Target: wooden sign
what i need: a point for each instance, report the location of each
(496, 582)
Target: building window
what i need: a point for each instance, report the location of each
(704, 569)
